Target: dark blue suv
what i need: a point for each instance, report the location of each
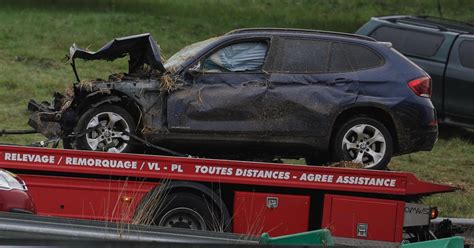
(251, 94)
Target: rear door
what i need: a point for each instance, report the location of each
(310, 80)
(459, 81)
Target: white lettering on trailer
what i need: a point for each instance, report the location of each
(106, 163)
(153, 166)
(369, 181)
(267, 174)
(176, 168)
(60, 159)
(286, 175)
(32, 158)
(316, 178)
(213, 170)
(203, 169)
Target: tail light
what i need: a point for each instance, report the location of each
(421, 86)
(433, 213)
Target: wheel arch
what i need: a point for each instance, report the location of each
(378, 112)
(94, 100)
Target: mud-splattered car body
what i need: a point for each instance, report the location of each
(254, 93)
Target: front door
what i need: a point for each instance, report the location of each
(225, 92)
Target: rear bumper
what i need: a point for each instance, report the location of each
(419, 140)
(425, 140)
(417, 124)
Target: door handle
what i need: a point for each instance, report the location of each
(339, 81)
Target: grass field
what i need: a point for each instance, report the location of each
(35, 36)
(450, 162)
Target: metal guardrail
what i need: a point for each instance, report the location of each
(21, 226)
(32, 229)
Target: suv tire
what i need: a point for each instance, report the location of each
(363, 140)
(105, 128)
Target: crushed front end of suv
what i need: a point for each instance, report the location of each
(253, 94)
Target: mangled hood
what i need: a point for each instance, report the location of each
(142, 49)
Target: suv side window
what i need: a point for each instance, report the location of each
(240, 57)
(465, 54)
(319, 56)
(350, 57)
(302, 56)
(410, 41)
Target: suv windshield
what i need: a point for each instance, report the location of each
(175, 62)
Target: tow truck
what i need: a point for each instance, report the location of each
(368, 206)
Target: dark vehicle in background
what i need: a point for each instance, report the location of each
(251, 94)
(443, 48)
(14, 196)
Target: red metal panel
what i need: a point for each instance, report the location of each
(221, 171)
(383, 218)
(252, 216)
(86, 198)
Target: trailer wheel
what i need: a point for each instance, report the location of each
(187, 210)
(105, 128)
(363, 140)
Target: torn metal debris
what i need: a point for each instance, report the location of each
(142, 50)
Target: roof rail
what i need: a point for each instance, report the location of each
(296, 30)
(442, 24)
(428, 25)
(447, 21)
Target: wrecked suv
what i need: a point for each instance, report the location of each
(254, 94)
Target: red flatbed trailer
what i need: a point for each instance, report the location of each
(244, 197)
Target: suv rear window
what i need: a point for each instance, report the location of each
(349, 57)
(318, 56)
(465, 54)
(409, 41)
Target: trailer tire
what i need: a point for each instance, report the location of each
(190, 211)
(363, 140)
(105, 128)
